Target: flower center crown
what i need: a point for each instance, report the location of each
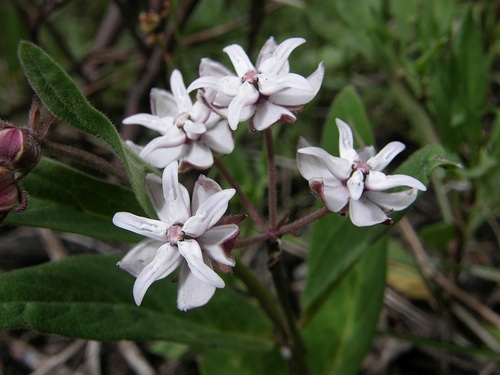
(175, 234)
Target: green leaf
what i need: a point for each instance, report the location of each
(60, 94)
(89, 297)
(67, 200)
(348, 107)
(341, 332)
(336, 244)
(230, 362)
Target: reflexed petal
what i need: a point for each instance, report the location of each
(267, 114)
(365, 153)
(202, 82)
(247, 96)
(364, 213)
(385, 156)
(164, 263)
(346, 142)
(199, 156)
(212, 240)
(159, 124)
(150, 228)
(269, 84)
(181, 96)
(393, 201)
(209, 67)
(219, 138)
(311, 167)
(163, 103)
(191, 251)
(161, 157)
(208, 213)
(338, 167)
(192, 292)
(378, 181)
(194, 129)
(356, 185)
(279, 58)
(266, 51)
(173, 136)
(155, 192)
(334, 194)
(229, 86)
(239, 59)
(176, 196)
(139, 257)
(203, 189)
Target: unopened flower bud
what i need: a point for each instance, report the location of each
(10, 195)
(19, 147)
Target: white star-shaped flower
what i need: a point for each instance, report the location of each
(189, 132)
(354, 182)
(266, 93)
(189, 236)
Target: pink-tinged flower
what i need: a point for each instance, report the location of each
(189, 133)
(266, 93)
(189, 236)
(354, 182)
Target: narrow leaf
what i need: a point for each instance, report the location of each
(60, 94)
(67, 200)
(89, 297)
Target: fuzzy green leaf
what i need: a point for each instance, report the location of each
(341, 332)
(67, 200)
(60, 94)
(89, 297)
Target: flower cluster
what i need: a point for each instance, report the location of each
(186, 235)
(193, 236)
(354, 182)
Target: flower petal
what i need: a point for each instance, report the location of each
(163, 103)
(356, 185)
(212, 240)
(155, 192)
(378, 181)
(275, 63)
(203, 82)
(309, 166)
(190, 250)
(208, 213)
(150, 228)
(159, 124)
(192, 292)
(297, 96)
(338, 167)
(266, 51)
(219, 138)
(334, 194)
(161, 157)
(164, 263)
(175, 194)
(346, 141)
(392, 201)
(270, 84)
(199, 156)
(385, 156)
(203, 189)
(139, 257)
(364, 213)
(267, 114)
(209, 67)
(181, 96)
(247, 96)
(239, 59)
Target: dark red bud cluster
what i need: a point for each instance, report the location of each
(19, 154)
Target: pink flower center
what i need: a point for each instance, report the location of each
(250, 77)
(175, 234)
(361, 166)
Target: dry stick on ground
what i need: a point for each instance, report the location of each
(416, 245)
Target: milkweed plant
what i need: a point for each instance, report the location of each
(184, 278)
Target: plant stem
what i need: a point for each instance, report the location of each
(271, 169)
(265, 299)
(297, 361)
(243, 197)
(288, 228)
